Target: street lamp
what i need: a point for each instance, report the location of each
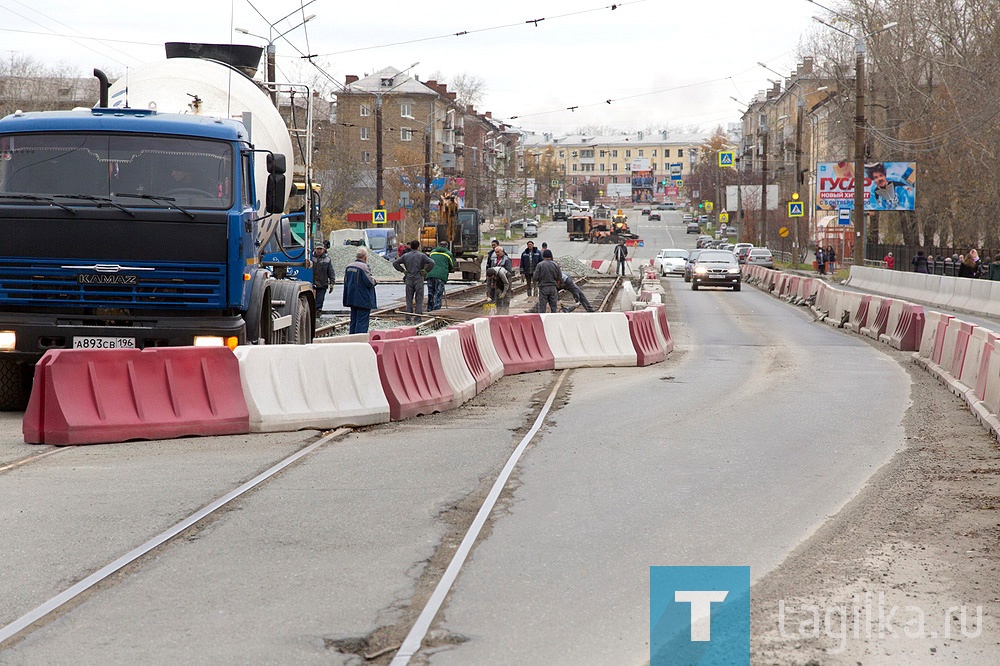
(270, 46)
(860, 220)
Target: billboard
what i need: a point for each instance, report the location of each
(888, 185)
(642, 180)
(619, 190)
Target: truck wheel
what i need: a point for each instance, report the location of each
(302, 329)
(15, 385)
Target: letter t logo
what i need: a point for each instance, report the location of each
(701, 609)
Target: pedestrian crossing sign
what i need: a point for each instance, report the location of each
(726, 158)
(378, 216)
(796, 209)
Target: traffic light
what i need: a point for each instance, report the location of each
(701, 205)
(663, 182)
(533, 204)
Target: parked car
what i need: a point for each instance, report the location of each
(692, 257)
(740, 250)
(716, 268)
(693, 227)
(531, 229)
(760, 256)
(671, 261)
(654, 215)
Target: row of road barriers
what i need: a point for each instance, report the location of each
(963, 356)
(100, 396)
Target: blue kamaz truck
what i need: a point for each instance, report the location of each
(141, 222)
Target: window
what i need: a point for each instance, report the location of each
(654, 152)
(405, 110)
(640, 153)
(666, 153)
(366, 157)
(574, 167)
(562, 153)
(365, 134)
(587, 154)
(614, 153)
(366, 110)
(602, 166)
(614, 167)
(405, 134)
(628, 153)
(680, 153)
(602, 153)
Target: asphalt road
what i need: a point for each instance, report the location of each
(758, 427)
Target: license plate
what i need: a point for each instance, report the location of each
(102, 343)
(717, 277)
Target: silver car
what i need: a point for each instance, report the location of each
(760, 256)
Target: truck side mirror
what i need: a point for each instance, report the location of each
(275, 163)
(274, 198)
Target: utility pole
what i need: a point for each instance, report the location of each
(378, 150)
(427, 169)
(798, 168)
(860, 226)
(763, 185)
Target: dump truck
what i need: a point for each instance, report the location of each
(141, 222)
(578, 227)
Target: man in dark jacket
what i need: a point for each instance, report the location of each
(359, 291)
(547, 276)
(444, 263)
(920, 262)
(324, 276)
(569, 285)
(414, 265)
(530, 258)
(620, 253)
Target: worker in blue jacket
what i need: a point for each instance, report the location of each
(359, 291)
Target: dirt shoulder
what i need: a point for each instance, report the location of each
(887, 579)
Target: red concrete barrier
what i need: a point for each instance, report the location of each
(661, 318)
(473, 359)
(881, 322)
(412, 376)
(909, 329)
(642, 330)
(392, 333)
(860, 318)
(521, 344)
(114, 395)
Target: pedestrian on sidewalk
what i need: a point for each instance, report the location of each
(821, 261)
(890, 261)
(920, 262)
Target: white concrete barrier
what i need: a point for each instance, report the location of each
(991, 400)
(973, 357)
(456, 370)
(487, 351)
(292, 387)
(356, 337)
(895, 310)
(627, 296)
(993, 307)
(952, 336)
(961, 294)
(930, 333)
(940, 291)
(580, 340)
(979, 295)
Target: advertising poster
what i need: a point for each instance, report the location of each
(642, 180)
(888, 185)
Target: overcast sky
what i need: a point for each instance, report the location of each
(661, 63)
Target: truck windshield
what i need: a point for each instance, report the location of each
(377, 242)
(181, 171)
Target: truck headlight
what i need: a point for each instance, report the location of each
(8, 340)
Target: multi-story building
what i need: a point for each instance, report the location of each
(604, 164)
(430, 143)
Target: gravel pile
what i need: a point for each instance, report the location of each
(575, 266)
(341, 255)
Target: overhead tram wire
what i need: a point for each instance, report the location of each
(73, 38)
(462, 33)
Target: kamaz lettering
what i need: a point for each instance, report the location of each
(106, 279)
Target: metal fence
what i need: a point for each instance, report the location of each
(940, 259)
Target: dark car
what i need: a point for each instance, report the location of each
(692, 256)
(716, 268)
(644, 211)
(693, 228)
(655, 216)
